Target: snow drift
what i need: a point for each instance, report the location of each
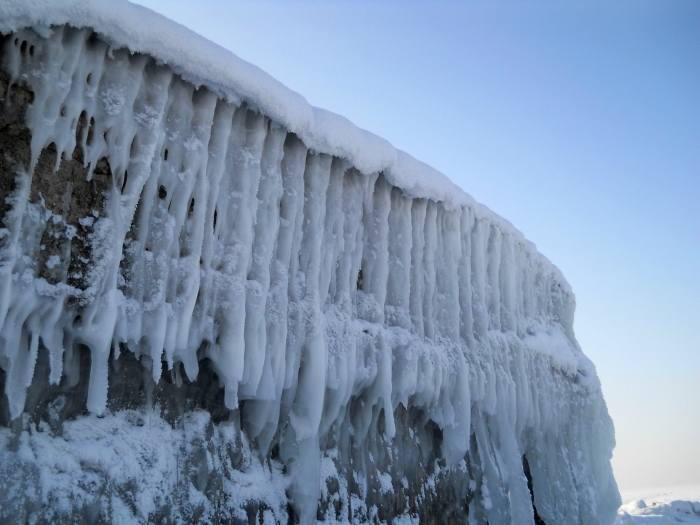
(376, 339)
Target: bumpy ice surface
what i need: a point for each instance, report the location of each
(329, 279)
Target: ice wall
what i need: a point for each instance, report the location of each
(327, 298)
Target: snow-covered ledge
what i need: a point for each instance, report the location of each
(259, 303)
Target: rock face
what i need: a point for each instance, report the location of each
(204, 320)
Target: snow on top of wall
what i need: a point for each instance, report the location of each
(202, 62)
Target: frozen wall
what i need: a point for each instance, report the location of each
(332, 303)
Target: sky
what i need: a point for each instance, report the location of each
(577, 122)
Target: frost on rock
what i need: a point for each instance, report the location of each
(251, 320)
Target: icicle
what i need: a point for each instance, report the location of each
(341, 310)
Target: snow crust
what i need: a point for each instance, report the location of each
(329, 278)
(664, 506)
(142, 454)
(202, 62)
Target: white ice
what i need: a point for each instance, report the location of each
(313, 263)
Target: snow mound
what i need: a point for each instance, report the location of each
(666, 506)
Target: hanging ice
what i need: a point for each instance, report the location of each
(368, 342)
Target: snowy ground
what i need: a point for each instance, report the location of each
(660, 506)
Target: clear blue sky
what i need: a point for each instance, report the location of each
(578, 122)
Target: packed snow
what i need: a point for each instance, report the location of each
(202, 62)
(661, 506)
(331, 281)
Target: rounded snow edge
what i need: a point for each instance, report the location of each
(205, 63)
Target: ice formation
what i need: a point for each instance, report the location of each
(667, 511)
(377, 336)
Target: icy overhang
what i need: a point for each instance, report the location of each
(204, 63)
(158, 230)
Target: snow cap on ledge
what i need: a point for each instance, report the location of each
(202, 62)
